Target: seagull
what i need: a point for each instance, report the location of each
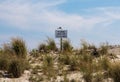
(60, 28)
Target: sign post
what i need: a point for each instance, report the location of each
(61, 44)
(60, 33)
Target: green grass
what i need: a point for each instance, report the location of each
(48, 66)
(13, 57)
(51, 45)
(19, 47)
(67, 47)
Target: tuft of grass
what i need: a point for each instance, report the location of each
(34, 53)
(48, 66)
(104, 63)
(103, 49)
(19, 47)
(87, 70)
(13, 57)
(87, 75)
(43, 47)
(86, 58)
(4, 63)
(5, 59)
(84, 45)
(15, 68)
(64, 59)
(67, 47)
(114, 71)
(7, 49)
(86, 67)
(51, 45)
(87, 48)
(74, 64)
(48, 60)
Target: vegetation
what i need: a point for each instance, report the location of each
(64, 59)
(42, 48)
(16, 68)
(34, 53)
(74, 65)
(13, 57)
(67, 47)
(95, 64)
(4, 62)
(48, 66)
(51, 45)
(19, 47)
(115, 71)
(103, 49)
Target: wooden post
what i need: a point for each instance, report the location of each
(61, 45)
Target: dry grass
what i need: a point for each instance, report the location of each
(19, 47)
(48, 66)
(67, 47)
(13, 58)
(42, 48)
(51, 45)
(114, 71)
(34, 53)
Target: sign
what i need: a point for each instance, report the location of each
(61, 33)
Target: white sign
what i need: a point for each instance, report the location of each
(61, 33)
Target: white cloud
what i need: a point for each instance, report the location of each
(24, 15)
(45, 15)
(72, 21)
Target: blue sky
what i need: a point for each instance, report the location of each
(95, 21)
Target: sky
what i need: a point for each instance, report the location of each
(95, 21)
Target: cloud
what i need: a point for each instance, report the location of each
(44, 15)
(22, 13)
(72, 21)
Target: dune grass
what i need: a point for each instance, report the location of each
(114, 71)
(13, 58)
